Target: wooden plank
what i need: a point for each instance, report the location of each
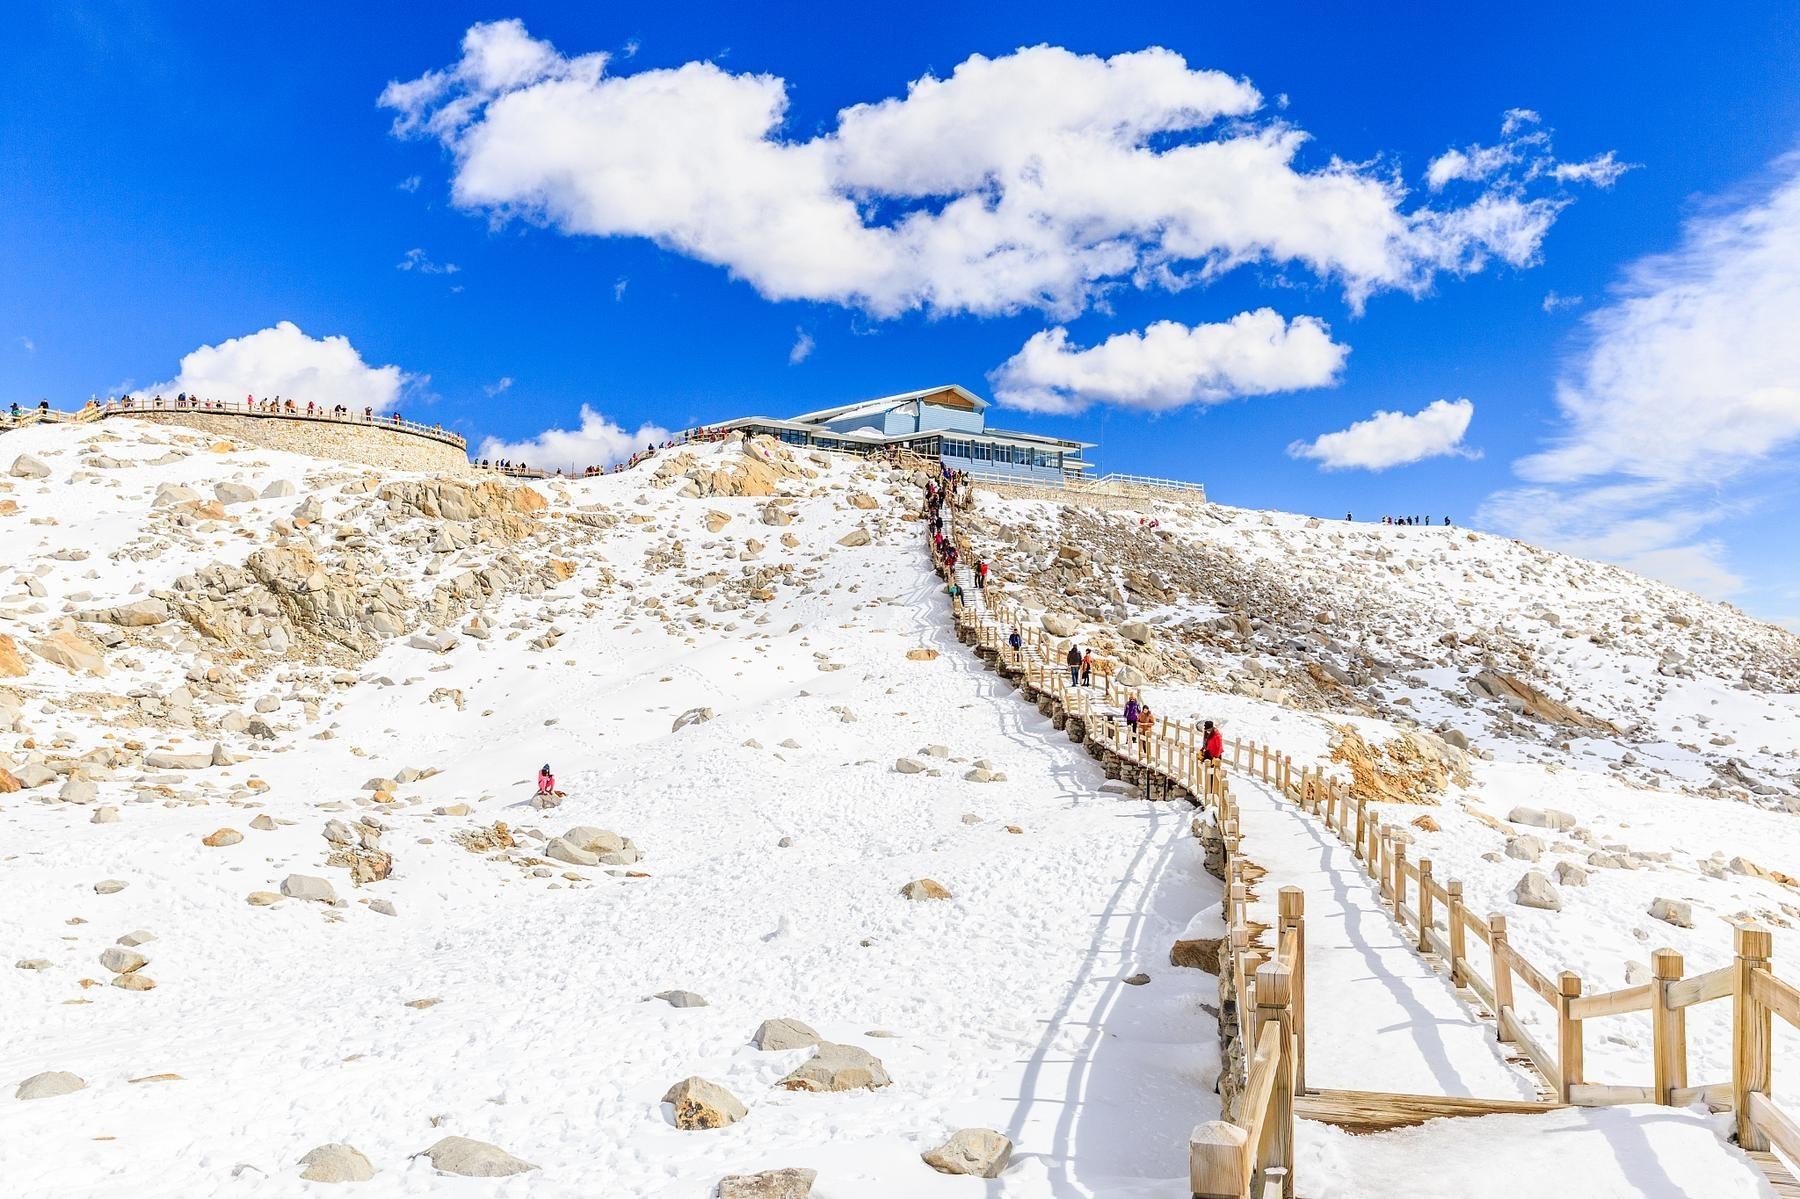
(1360, 1112)
(1259, 1088)
(1776, 1124)
(1716, 1095)
(1540, 1057)
(1613, 1003)
(1594, 1094)
(1779, 997)
(1478, 926)
(1702, 988)
(1781, 1179)
(1481, 987)
(1537, 982)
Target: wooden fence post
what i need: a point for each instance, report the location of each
(1274, 1004)
(1292, 907)
(1424, 904)
(1454, 887)
(1362, 812)
(1751, 1068)
(1668, 1027)
(1569, 1046)
(1502, 974)
(1399, 882)
(1220, 1161)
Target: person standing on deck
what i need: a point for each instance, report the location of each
(981, 574)
(1212, 745)
(1131, 713)
(1087, 667)
(1015, 643)
(1146, 725)
(1074, 660)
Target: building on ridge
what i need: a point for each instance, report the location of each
(948, 424)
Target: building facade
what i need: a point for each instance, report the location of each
(944, 423)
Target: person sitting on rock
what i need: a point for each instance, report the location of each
(546, 781)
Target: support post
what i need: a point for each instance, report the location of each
(1424, 904)
(1502, 974)
(1457, 976)
(1399, 882)
(1291, 904)
(1569, 1046)
(1751, 1068)
(1219, 1161)
(1274, 1004)
(1362, 814)
(1668, 1027)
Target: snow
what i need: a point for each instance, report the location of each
(1378, 1017)
(289, 1025)
(1639, 1152)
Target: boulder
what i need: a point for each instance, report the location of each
(909, 766)
(78, 790)
(789, 1183)
(305, 886)
(1568, 874)
(1524, 848)
(681, 999)
(700, 1103)
(1202, 944)
(12, 664)
(121, 960)
(71, 651)
(925, 888)
(838, 1068)
(473, 1159)
(559, 849)
(1060, 624)
(784, 1033)
(336, 1163)
(1535, 890)
(922, 653)
(1678, 912)
(979, 1152)
(48, 1084)
(854, 538)
(1135, 630)
(279, 489)
(220, 838)
(691, 716)
(163, 760)
(27, 467)
(1542, 818)
(174, 493)
(233, 493)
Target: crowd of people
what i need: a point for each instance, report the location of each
(1138, 719)
(1400, 520)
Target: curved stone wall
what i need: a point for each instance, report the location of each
(351, 441)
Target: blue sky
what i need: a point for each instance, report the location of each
(172, 179)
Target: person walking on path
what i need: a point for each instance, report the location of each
(981, 574)
(1015, 643)
(1087, 667)
(1074, 665)
(1212, 745)
(1132, 707)
(1146, 725)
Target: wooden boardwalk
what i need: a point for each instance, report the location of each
(1250, 1153)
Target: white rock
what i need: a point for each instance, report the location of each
(27, 467)
(979, 1152)
(305, 886)
(474, 1159)
(1678, 912)
(48, 1084)
(1535, 890)
(336, 1162)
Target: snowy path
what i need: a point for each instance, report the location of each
(1378, 1017)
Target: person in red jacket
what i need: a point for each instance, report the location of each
(1212, 748)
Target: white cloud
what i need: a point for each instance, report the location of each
(1394, 438)
(1169, 365)
(619, 286)
(283, 361)
(409, 184)
(802, 348)
(600, 441)
(1038, 179)
(1683, 395)
(497, 386)
(418, 260)
(1524, 153)
(28, 345)
(1556, 302)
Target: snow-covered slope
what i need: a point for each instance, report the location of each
(1494, 681)
(359, 675)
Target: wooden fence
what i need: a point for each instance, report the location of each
(1250, 1156)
